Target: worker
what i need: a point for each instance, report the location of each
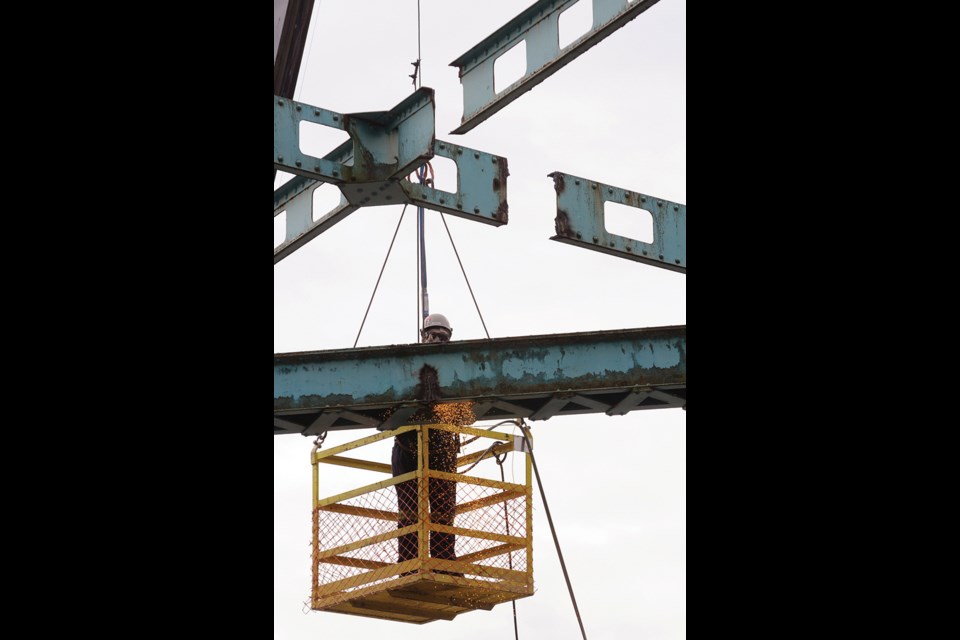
(444, 447)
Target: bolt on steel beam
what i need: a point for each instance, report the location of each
(538, 27)
(580, 221)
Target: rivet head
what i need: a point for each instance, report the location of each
(336, 173)
(476, 155)
(659, 203)
(280, 158)
(459, 151)
(609, 190)
(643, 199)
(335, 118)
(316, 112)
(442, 147)
(661, 256)
(676, 208)
(280, 102)
(629, 248)
(677, 260)
(593, 186)
(298, 163)
(644, 252)
(442, 201)
(389, 197)
(578, 235)
(576, 182)
(298, 108)
(596, 239)
(459, 206)
(493, 160)
(476, 209)
(611, 244)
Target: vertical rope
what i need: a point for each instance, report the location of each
(553, 531)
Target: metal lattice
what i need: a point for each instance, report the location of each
(477, 551)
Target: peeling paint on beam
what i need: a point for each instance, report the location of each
(499, 370)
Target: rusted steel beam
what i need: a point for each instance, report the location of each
(537, 377)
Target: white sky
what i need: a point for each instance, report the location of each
(616, 485)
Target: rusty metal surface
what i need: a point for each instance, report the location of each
(580, 221)
(536, 377)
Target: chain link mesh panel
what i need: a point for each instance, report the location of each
(478, 532)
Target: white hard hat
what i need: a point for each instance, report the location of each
(437, 320)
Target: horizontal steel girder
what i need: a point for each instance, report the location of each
(539, 27)
(535, 377)
(580, 222)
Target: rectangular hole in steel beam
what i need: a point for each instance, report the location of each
(326, 198)
(575, 21)
(318, 140)
(510, 66)
(279, 228)
(629, 222)
(282, 177)
(445, 174)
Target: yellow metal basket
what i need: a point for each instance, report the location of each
(357, 563)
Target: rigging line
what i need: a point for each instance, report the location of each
(416, 287)
(390, 248)
(533, 459)
(456, 253)
(419, 59)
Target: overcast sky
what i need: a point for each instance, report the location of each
(616, 486)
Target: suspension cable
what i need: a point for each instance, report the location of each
(390, 248)
(456, 253)
(563, 565)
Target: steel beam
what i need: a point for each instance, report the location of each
(531, 376)
(481, 186)
(386, 144)
(580, 222)
(537, 26)
(372, 168)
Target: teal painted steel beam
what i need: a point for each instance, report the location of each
(536, 377)
(386, 144)
(538, 26)
(481, 186)
(580, 221)
(481, 193)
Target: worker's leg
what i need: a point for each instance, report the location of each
(405, 461)
(443, 493)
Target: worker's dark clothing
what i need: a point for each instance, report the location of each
(443, 493)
